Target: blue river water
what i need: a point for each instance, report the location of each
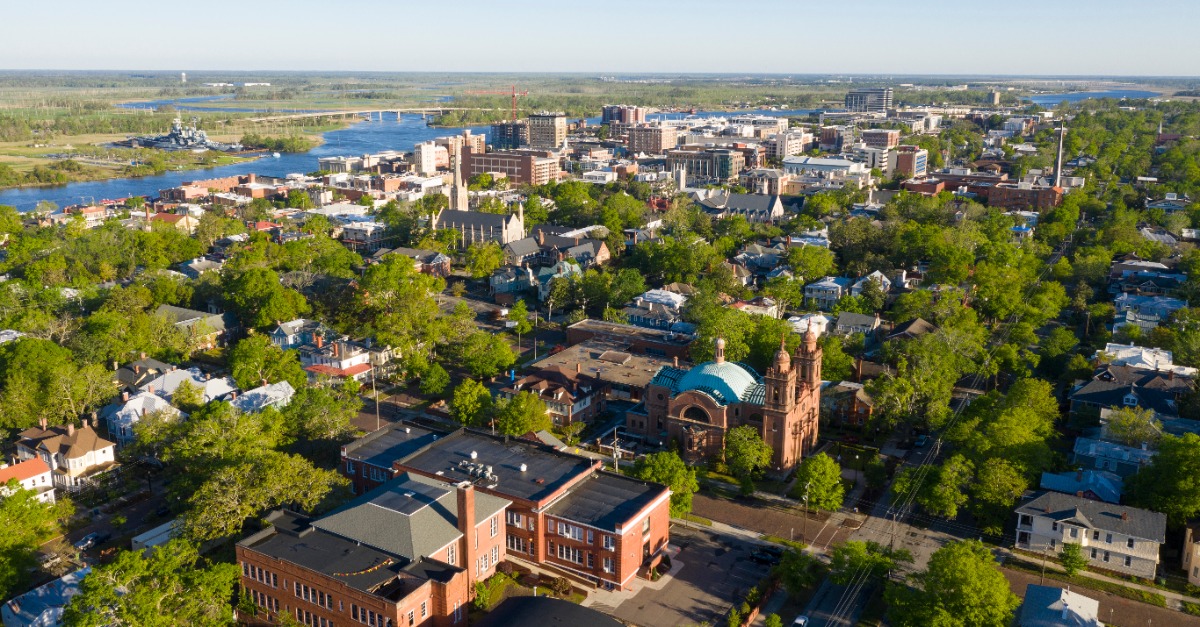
(1053, 100)
(391, 132)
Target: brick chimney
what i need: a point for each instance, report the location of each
(71, 431)
(466, 525)
(1125, 516)
(319, 340)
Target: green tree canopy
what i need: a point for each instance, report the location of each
(471, 404)
(520, 414)
(962, 587)
(820, 478)
(851, 558)
(27, 523)
(171, 586)
(256, 360)
(1168, 483)
(667, 468)
(745, 451)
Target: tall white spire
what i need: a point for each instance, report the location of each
(458, 193)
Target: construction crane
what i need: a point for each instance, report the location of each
(514, 93)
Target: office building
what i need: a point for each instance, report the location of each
(790, 143)
(547, 130)
(908, 161)
(881, 138)
(706, 164)
(874, 100)
(625, 114)
(652, 139)
(508, 135)
(836, 138)
(521, 167)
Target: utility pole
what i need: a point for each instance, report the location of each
(804, 525)
(375, 395)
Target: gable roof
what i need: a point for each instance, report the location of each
(70, 443)
(1122, 519)
(410, 516)
(21, 471)
(1105, 485)
(1109, 394)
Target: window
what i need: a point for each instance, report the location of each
(517, 544)
(513, 518)
(457, 611)
(452, 555)
(1106, 556)
(412, 618)
(378, 474)
(646, 526)
(1074, 532)
(608, 565)
(1108, 538)
(570, 554)
(1093, 552)
(1129, 543)
(349, 467)
(590, 538)
(1052, 543)
(424, 611)
(609, 544)
(495, 554)
(1054, 526)
(1096, 534)
(591, 560)
(1128, 560)
(494, 523)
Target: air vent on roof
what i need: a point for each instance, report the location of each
(407, 430)
(474, 455)
(524, 468)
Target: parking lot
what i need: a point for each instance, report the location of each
(716, 570)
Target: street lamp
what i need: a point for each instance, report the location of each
(804, 525)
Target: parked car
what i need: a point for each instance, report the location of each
(760, 556)
(922, 440)
(801, 621)
(87, 542)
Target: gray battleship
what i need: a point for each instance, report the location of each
(183, 138)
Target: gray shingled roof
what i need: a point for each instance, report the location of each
(1122, 519)
(411, 516)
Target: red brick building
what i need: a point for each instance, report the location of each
(1024, 196)
(566, 513)
(406, 553)
(698, 406)
(521, 167)
(570, 396)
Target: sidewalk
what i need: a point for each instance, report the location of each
(1175, 600)
(772, 606)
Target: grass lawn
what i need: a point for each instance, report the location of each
(1087, 582)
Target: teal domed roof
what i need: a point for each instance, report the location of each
(729, 380)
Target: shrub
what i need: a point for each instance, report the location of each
(483, 596)
(561, 586)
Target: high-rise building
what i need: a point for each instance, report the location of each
(427, 156)
(626, 114)
(509, 135)
(652, 139)
(874, 100)
(547, 130)
(790, 143)
(836, 138)
(909, 161)
(994, 97)
(521, 167)
(881, 138)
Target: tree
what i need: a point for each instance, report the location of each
(256, 361)
(820, 478)
(471, 403)
(853, 557)
(261, 300)
(1133, 426)
(319, 412)
(27, 523)
(745, 451)
(873, 296)
(172, 585)
(434, 380)
(485, 355)
(299, 199)
(42, 380)
(1167, 484)
(484, 258)
(187, 397)
(773, 620)
(797, 571)
(519, 313)
(962, 586)
(810, 263)
(667, 468)
(520, 414)
(1072, 558)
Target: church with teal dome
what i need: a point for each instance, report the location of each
(695, 407)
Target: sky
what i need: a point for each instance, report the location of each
(1017, 37)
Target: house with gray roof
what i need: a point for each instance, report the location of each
(122, 416)
(1122, 460)
(276, 395)
(1050, 606)
(824, 294)
(204, 329)
(753, 207)
(43, 606)
(1093, 396)
(1099, 485)
(1113, 537)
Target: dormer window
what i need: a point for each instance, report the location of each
(1131, 400)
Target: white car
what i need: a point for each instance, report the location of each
(801, 621)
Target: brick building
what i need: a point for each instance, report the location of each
(653, 139)
(566, 513)
(881, 138)
(405, 553)
(1024, 196)
(521, 167)
(698, 406)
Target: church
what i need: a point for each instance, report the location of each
(696, 407)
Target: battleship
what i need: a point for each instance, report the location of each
(183, 138)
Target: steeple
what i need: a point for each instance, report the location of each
(719, 353)
(458, 193)
(783, 361)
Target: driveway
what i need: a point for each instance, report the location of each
(716, 570)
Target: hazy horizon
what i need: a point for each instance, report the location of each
(1102, 39)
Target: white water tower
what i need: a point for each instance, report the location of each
(183, 77)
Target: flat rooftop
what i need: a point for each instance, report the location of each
(632, 332)
(546, 470)
(608, 361)
(381, 448)
(606, 500)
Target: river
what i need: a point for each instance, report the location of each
(393, 132)
(1050, 101)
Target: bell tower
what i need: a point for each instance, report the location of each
(779, 405)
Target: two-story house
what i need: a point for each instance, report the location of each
(656, 309)
(884, 283)
(1113, 537)
(76, 456)
(32, 475)
(338, 359)
(824, 294)
(1124, 461)
(570, 396)
(121, 417)
(298, 332)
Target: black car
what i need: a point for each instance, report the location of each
(761, 556)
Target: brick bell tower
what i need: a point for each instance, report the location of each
(779, 403)
(806, 413)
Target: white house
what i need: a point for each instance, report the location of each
(31, 474)
(124, 414)
(824, 294)
(884, 283)
(1114, 537)
(1141, 357)
(276, 395)
(210, 388)
(43, 607)
(76, 457)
